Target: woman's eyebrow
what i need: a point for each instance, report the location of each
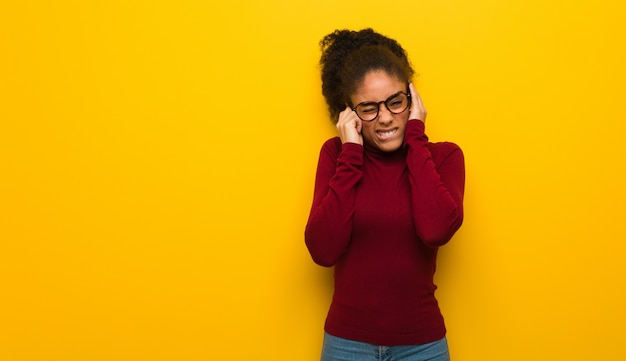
(389, 97)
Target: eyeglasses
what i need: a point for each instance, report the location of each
(396, 104)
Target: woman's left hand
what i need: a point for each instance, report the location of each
(417, 107)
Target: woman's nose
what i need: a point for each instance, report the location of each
(384, 115)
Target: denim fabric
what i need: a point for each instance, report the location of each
(340, 349)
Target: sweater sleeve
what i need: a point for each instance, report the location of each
(437, 181)
(329, 227)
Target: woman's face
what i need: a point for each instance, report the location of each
(385, 132)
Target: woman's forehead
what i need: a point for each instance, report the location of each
(377, 86)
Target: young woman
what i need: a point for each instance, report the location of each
(385, 199)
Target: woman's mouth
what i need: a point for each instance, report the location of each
(386, 134)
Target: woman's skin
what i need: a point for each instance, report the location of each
(386, 132)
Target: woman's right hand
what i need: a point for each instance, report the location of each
(349, 127)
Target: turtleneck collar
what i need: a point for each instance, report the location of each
(376, 153)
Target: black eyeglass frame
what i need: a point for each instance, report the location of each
(409, 100)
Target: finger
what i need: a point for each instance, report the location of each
(344, 114)
(349, 116)
(412, 91)
(349, 126)
(418, 111)
(416, 96)
(414, 102)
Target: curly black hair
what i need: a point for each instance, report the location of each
(347, 56)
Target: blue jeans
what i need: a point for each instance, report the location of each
(340, 349)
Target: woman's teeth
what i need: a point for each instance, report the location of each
(387, 133)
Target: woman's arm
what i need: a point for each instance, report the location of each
(329, 227)
(437, 180)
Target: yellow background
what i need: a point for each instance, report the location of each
(157, 162)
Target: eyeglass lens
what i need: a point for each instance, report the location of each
(395, 104)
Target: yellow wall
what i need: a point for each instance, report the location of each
(157, 162)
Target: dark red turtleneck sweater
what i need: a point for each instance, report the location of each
(378, 218)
